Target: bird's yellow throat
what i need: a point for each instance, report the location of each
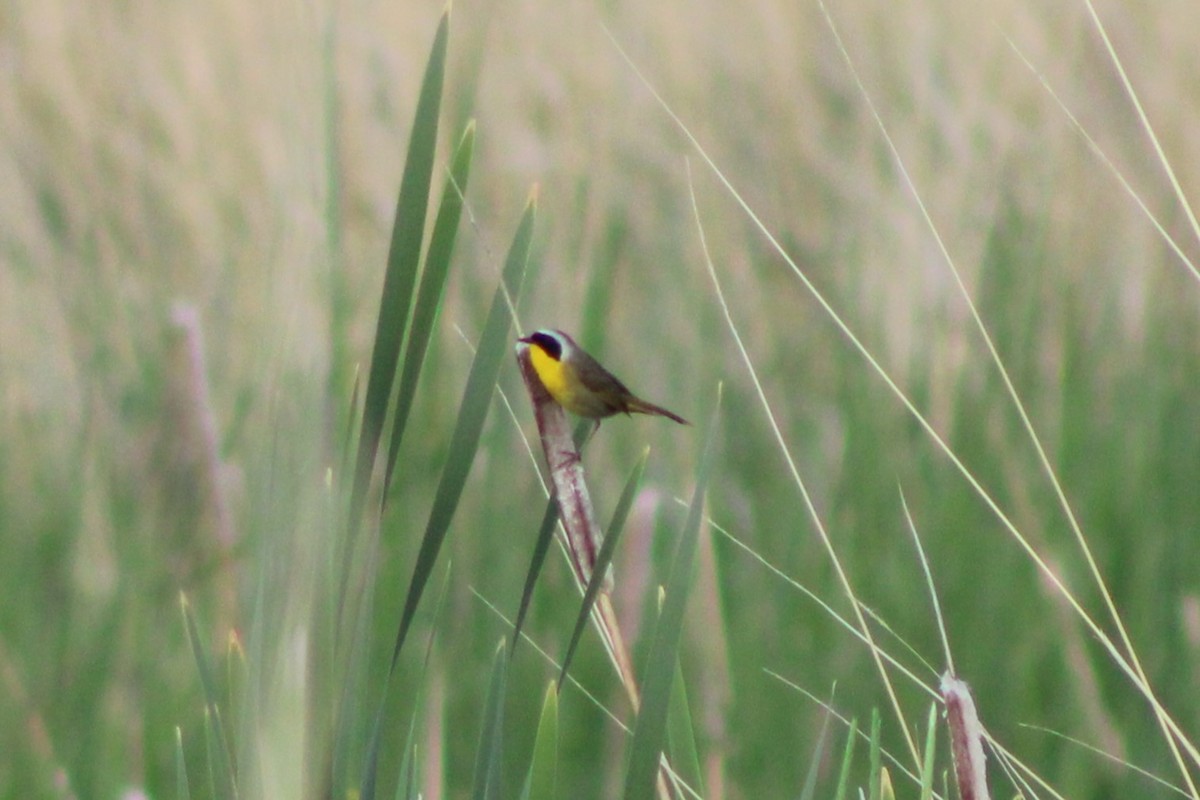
(552, 374)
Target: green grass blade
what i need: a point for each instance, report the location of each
(843, 785)
(491, 740)
(681, 734)
(650, 730)
(183, 790)
(408, 767)
(603, 559)
(207, 682)
(404, 257)
(876, 755)
(543, 765)
(540, 548)
(429, 294)
(222, 782)
(930, 748)
(809, 790)
(220, 760)
(353, 717)
(406, 787)
(352, 420)
(477, 398)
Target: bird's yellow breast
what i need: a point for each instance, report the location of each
(554, 375)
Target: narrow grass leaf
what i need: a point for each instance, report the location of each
(408, 768)
(930, 748)
(207, 681)
(235, 677)
(477, 397)
(540, 547)
(650, 729)
(876, 755)
(350, 738)
(404, 255)
(543, 765)
(681, 734)
(603, 559)
(183, 790)
(353, 417)
(491, 744)
(886, 792)
(429, 294)
(220, 762)
(843, 784)
(810, 780)
(406, 786)
(222, 782)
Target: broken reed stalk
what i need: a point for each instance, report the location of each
(577, 516)
(966, 739)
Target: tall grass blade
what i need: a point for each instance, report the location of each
(540, 547)
(681, 734)
(351, 732)
(491, 739)
(352, 421)
(220, 761)
(429, 293)
(477, 397)
(843, 784)
(408, 769)
(406, 786)
(650, 730)
(543, 765)
(404, 257)
(603, 559)
(222, 781)
(183, 790)
(207, 681)
(930, 751)
(876, 755)
(809, 791)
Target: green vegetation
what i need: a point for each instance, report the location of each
(269, 483)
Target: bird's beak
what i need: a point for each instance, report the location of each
(526, 340)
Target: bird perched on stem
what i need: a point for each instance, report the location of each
(578, 382)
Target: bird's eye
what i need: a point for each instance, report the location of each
(550, 344)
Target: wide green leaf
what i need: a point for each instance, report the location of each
(404, 256)
(477, 397)
(429, 294)
(543, 764)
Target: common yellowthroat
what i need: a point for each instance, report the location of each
(579, 384)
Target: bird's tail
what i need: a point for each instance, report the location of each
(638, 406)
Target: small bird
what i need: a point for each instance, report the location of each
(579, 384)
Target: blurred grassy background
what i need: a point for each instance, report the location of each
(196, 201)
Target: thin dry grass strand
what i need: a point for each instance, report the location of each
(933, 595)
(1019, 772)
(846, 331)
(1146, 126)
(549, 659)
(1091, 748)
(678, 780)
(887, 628)
(1106, 161)
(862, 734)
(1134, 670)
(811, 508)
(1104, 639)
(828, 609)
